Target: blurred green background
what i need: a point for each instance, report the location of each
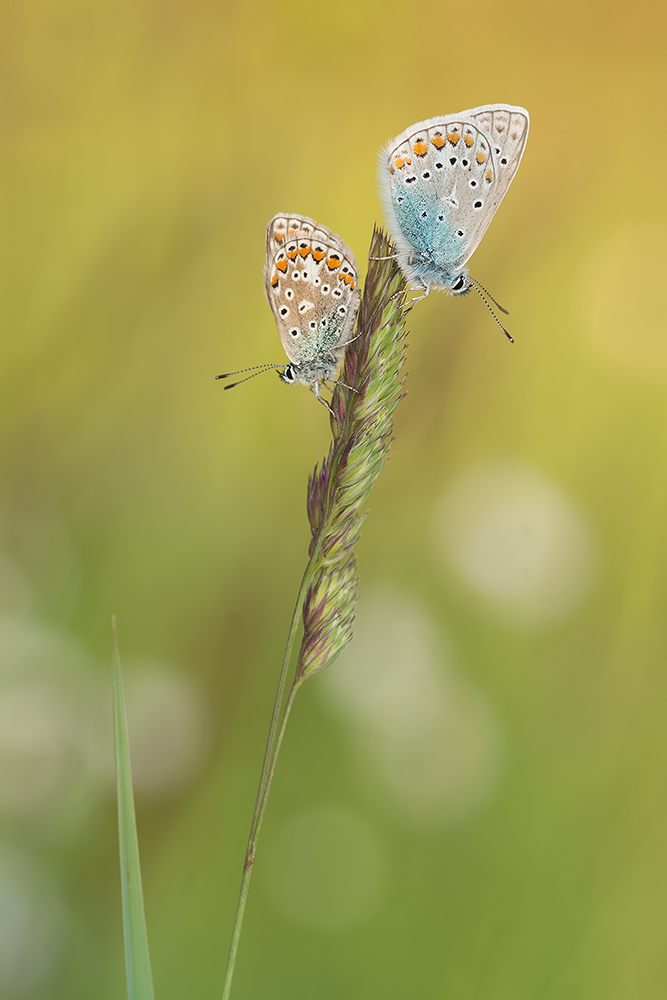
(471, 802)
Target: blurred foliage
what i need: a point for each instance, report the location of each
(146, 145)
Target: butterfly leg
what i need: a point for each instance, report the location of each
(346, 343)
(391, 256)
(424, 290)
(337, 381)
(315, 387)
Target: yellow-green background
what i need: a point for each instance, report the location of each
(145, 146)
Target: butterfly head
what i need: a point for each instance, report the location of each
(322, 367)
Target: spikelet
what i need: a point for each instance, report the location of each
(362, 423)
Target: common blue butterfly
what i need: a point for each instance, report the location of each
(441, 182)
(310, 279)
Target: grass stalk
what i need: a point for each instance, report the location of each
(362, 432)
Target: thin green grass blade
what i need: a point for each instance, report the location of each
(137, 958)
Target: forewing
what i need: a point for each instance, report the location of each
(457, 169)
(310, 280)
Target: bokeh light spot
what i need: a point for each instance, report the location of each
(517, 541)
(56, 738)
(169, 728)
(423, 735)
(33, 925)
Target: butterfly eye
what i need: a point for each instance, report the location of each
(459, 284)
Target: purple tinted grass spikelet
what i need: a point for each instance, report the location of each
(362, 424)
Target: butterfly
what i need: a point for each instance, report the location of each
(441, 182)
(310, 280)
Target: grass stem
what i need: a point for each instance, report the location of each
(362, 428)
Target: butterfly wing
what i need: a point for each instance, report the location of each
(443, 179)
(310, 281)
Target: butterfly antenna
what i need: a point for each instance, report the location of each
(480, 291)
(262, 368)
(502, 309)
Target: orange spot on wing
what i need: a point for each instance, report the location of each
(279, 237)
(274, 279)
(281, 265)
(438, 141)
(291, 254)
(408, 160)
(292, 232)
(489, 175)
(304, 251)
(391, 168)
(348, 278)
(481, 157)
(399, 163)
(319, 254)
(468, 139)
(420, 148)
(453, 137)
(333, 262)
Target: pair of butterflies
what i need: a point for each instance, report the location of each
(441, 182)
